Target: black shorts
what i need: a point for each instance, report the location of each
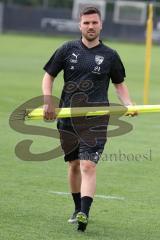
(83, 139)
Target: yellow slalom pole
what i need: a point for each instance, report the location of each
(37, 113)
(149, 31)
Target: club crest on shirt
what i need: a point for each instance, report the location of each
(99, 59)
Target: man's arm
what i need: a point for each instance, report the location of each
(47, 84)
(123, 95)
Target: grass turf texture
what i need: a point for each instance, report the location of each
(28, 209)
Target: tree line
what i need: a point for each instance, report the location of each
(52, 3)
(44, 3)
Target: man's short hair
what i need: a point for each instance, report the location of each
(90, 10)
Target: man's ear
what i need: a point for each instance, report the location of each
(101, 25)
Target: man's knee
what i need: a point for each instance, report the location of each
(87, 166)
(74, 166)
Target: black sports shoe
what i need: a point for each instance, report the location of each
(73, 218)
(82, 221)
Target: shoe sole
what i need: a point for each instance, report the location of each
(72, 221)
(81, 218)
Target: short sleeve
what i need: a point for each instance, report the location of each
(117, 69)
(56, 62)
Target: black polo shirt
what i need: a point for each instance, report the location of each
(86, 70)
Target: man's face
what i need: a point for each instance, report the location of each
(90, 26)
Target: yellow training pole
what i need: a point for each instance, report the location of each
(149, 31)
(93, 111)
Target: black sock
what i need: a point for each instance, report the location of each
(86, 204)
(77, 200)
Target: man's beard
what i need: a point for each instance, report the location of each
(91, 38)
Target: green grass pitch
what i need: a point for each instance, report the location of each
(28, 208)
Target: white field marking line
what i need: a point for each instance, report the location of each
(97, 196)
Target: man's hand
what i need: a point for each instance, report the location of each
(132, 114)
(49, 112)
(123, 94)
(48, 108)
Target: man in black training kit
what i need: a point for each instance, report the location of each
(88, 66)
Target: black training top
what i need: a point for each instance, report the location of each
(86, 70)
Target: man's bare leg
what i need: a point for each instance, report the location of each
(88, 187)
(88, 173)
(74, 177)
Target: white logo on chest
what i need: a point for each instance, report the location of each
(74, 58)
(99, 59)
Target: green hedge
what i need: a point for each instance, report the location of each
(50, 3)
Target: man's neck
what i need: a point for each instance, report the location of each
(90, 44)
